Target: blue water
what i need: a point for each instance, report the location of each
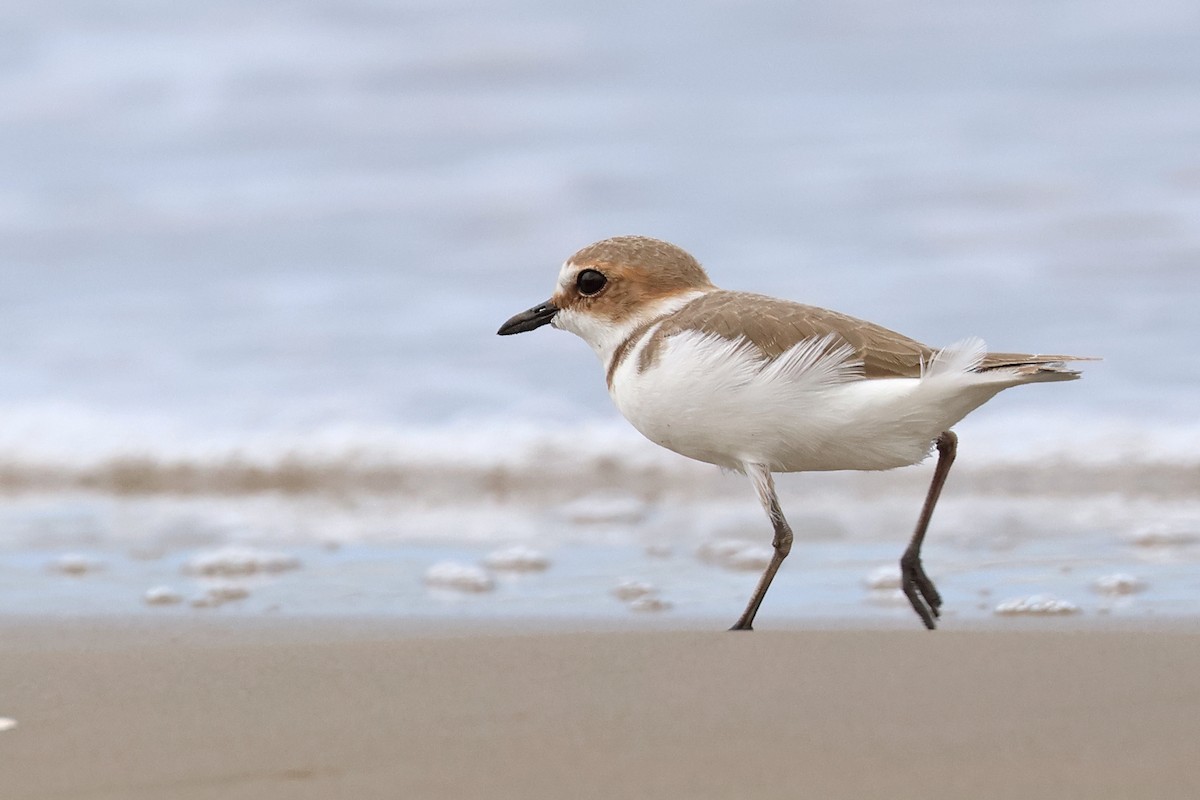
(244, 215)
(283, 235)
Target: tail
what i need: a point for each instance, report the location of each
(1032, 368)
(962, 377)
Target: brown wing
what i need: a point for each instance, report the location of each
(776, 325)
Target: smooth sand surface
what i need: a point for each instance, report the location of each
(289, 709)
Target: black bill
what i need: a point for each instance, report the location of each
(535, 317)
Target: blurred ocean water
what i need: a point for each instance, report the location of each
(258, 251)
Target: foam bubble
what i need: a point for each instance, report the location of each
(162, 596)
(219, 594)
(1118, 583)
(1036, 605)
(517, 558)
(459, 577)
(650, 603)
(237, 560)
(883, 578)
(76, 564)
(633, 590)
(736, 554)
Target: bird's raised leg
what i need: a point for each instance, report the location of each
(917, 587)
(764, 485)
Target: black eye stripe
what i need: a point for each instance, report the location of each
(590, 282)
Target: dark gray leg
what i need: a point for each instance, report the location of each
(917, 587)
(764, 485)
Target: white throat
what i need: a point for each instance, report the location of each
(605, 335)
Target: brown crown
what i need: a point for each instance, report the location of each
(667, 267)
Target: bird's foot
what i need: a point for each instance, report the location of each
(919, 590)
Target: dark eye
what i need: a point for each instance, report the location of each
(590, 282)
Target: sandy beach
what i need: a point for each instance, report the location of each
(282, 517)
(295, 709)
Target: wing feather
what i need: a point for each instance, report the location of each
(776, 326)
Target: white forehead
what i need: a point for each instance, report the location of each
(566, 275)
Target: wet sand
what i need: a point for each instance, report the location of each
(293, 709)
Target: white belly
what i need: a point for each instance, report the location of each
(719, 402)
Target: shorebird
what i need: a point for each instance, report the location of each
(760, 385)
